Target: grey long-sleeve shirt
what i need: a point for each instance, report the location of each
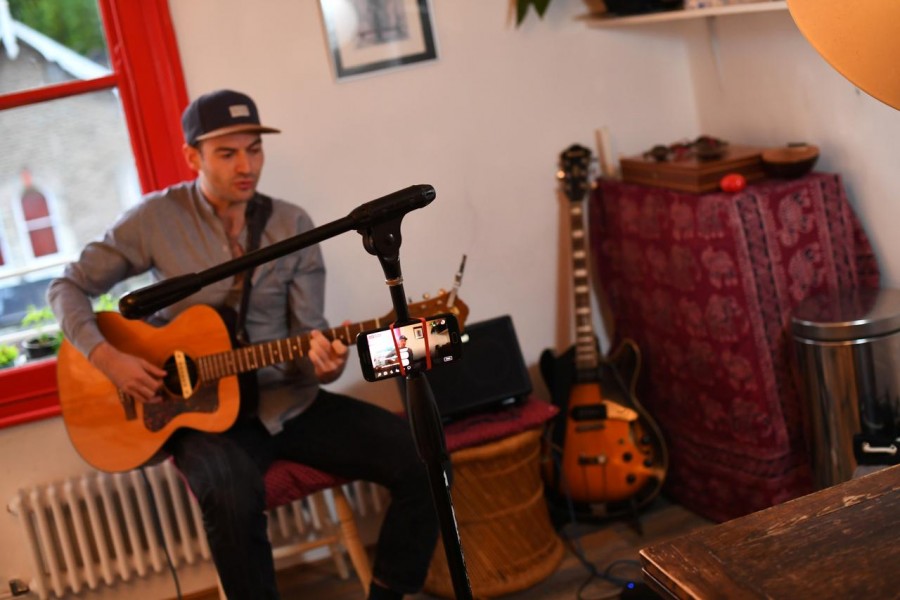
(174, 232)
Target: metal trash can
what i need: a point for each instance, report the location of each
(848, 359)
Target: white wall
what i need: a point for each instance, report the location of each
(759, 81)
(484, 124)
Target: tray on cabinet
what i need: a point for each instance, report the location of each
(691, 174)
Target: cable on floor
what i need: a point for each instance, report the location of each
(157, 525)
(622, 583)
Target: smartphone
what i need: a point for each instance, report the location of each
(389, 352)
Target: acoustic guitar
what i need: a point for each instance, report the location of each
(114, 432)
(605, 447)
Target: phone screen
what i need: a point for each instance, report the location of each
(383, 352)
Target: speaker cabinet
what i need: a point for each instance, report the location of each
(492, 371)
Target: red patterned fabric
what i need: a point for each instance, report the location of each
(288, 481)
(706, 285)
(482, 428)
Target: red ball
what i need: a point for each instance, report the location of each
(733, 182)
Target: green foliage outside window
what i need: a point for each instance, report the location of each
(73, 23)
(8, 355)
(106, 302)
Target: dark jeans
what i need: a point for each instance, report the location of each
(336, 434)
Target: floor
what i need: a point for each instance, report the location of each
(602, 545)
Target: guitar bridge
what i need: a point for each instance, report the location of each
(583, 427)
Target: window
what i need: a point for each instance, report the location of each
(37, 220)
(91, 93)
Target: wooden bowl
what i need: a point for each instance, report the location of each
(791, 161)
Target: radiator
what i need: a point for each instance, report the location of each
(99, 529)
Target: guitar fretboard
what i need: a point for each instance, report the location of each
(586, 356)
(213, 367)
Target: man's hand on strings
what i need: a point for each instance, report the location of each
(130, 374)
(328, 357)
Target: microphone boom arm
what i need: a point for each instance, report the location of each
(149, 299)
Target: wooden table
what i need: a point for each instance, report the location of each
(840, 542)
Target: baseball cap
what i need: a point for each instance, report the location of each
(860, 39)
(220, 113)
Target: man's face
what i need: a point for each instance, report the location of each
(229, 167)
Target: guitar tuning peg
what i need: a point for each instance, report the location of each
(426, 296)
(441, 291)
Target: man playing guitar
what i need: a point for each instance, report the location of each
(198, 224)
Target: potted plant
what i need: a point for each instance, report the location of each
(540, 6)
(8, 355)
(44, 342)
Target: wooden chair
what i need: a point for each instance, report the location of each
(288, 482)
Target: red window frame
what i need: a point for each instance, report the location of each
(146, 69)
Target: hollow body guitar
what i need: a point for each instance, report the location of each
(604, 447)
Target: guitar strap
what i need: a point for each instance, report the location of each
(259, 209)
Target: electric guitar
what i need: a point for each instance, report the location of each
(114, 432)
(607, 448)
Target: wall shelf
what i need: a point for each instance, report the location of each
(603, 20)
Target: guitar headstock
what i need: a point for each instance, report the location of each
(575, 164)
(429, 306)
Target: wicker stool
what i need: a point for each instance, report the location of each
(504, 527)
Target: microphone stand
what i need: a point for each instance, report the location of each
(378, 222)
(383, 240)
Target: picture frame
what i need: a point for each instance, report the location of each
(366, 36)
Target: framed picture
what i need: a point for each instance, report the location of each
(370, 35)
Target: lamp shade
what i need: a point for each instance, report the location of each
(859, 38)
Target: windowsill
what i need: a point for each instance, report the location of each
(29, 393)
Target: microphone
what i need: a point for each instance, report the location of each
(392, 206)
(151, 298)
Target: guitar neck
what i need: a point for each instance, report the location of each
(256, 356)
(576, 161)
(586, 355)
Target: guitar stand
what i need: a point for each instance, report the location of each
(634, 516)
(383, 240)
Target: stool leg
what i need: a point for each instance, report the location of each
(322, 517)
(350, 537)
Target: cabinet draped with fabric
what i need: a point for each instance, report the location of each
(706, 285)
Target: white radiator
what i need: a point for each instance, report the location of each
(99, 529)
